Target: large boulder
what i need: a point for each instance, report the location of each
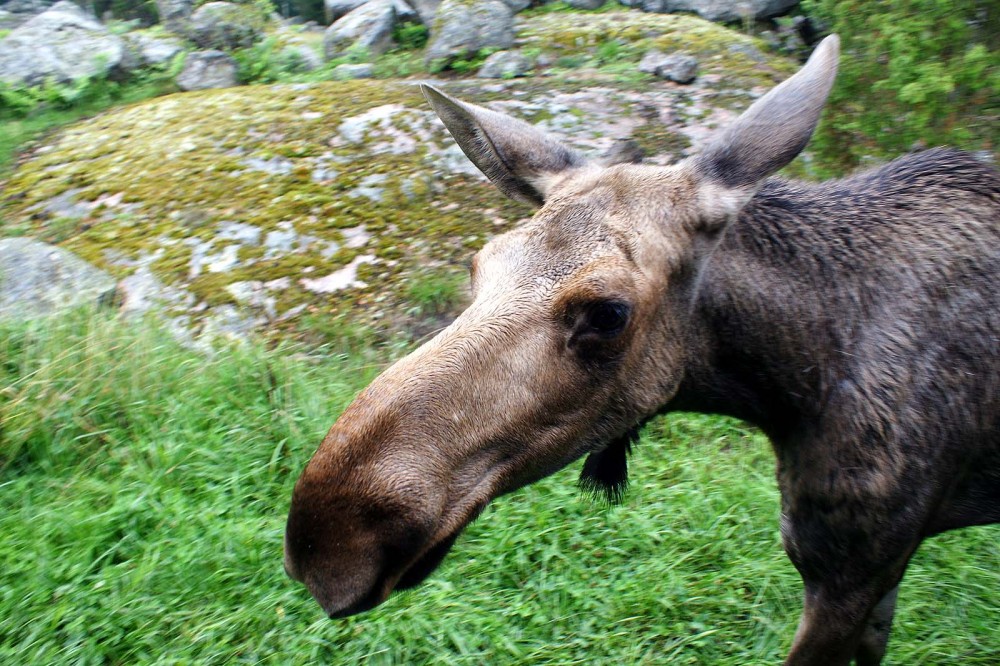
(335, 9)
(207, 69)
(721, 11)
(62, 43)
(463, 28)
(226, 26)
(145, 50)
(175, 14)
(37, 278)
(426, 10)
(366, 30)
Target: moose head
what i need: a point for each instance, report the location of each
(578, 331)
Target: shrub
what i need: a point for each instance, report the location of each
(912, 72)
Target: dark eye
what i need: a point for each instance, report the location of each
(607, 318)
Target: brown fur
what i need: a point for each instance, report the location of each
(856, 322)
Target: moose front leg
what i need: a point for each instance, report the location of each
(851, 555)
(871, 648)
(836, 627)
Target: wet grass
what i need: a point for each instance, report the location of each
(144, 489)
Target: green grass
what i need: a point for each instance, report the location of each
(144, 489)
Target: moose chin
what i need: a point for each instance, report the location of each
(855, 322)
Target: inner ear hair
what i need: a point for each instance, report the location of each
(605, 472)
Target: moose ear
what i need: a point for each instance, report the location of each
(520, 159)
(769, 134)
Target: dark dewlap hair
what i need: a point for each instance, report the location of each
(605, 472)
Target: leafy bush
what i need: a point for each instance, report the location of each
(409, 36)
(924, 72)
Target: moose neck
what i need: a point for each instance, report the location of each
(769, 325)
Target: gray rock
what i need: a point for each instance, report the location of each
(226, 26)
(29, 7)
(144, 50)
(462, 28)
(62, 43)
(207, 69)
(517, 5)
(334, 9)
(346, 71)
(366, 30)
(37, 279)
(10, 20)
(505, 65)
(426, 10)
(294, 53)
(673, 67)
(142, 291)
(723, 11)
(586, 4)
(175, 14)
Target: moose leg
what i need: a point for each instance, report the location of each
(876, 632)
(832, 626)
(850, 579)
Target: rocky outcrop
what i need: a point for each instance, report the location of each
(366, 31)
(226, 26)
(207, 69)
(463, 28)
(63, 43)
(37, 279)
(722, 11)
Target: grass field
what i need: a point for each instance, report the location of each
(144, 489)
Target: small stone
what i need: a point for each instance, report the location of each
(345, 71)
(586, 4)
(505, 65)
(674, 67)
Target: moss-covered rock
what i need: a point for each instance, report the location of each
(296, 203)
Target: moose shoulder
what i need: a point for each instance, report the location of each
(857, 322)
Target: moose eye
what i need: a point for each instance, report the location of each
(607, 318)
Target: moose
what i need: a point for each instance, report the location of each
(856, 322)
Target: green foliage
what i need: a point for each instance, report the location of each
(921, 72)
(268, 61)
(466, 65)
(146, 486)
(409, 36)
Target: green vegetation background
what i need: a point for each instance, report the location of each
(143, 487)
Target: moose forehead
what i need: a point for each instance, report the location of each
(595, 220)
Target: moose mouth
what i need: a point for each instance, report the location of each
(413, 575)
